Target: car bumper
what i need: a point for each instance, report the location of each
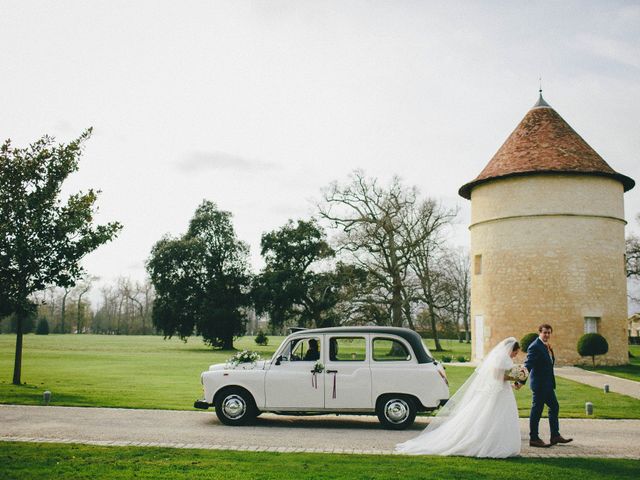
(201, 404)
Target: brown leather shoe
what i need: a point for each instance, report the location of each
(539, 443)
(560, 439)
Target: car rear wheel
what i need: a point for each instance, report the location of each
(235, 406)
(396, 412)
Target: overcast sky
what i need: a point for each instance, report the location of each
(258, 105)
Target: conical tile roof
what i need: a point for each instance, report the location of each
(544, 143)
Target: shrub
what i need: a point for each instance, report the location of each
(446, 359)
(461, 359)
(527, 340)
(43, 327)
(261, 338)
(592, 344)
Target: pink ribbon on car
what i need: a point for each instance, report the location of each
(335, 374)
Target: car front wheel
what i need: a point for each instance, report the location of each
(235, 407)
(396, 412)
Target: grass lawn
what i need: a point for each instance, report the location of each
(630, 372)
(571, 396)
(149, 372)
(29, 461)
(114, 371)
(452, 348)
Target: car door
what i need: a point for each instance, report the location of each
(289, 382)
(347, 373)
(394, 368)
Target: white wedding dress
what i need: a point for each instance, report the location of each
(480, 420)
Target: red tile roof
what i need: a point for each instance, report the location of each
(544, 143)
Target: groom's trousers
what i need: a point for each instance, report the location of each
(540, 399)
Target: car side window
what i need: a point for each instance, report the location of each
(389, 350)
(347, 349)
(305, 349)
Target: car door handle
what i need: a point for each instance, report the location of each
(332, 371)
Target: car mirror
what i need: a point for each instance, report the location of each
(280, 359)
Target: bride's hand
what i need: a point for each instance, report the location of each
(517, 386)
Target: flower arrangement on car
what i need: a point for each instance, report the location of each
(245, 356)
(318, 367)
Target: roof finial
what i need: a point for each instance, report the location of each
(541, 102)
(540, 91)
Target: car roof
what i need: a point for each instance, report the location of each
(410, 336)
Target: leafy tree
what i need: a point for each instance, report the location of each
(42, 239)
(592, 344)
(288, 287)
(43, 327)
(202, 280)
(527, 340)
(261, 338)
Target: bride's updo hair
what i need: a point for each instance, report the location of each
(516, 347)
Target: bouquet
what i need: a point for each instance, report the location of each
(519, 373)
(245, 356)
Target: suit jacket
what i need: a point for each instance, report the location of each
(540, 365)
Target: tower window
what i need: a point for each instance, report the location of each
(477, 264)
(591, 324)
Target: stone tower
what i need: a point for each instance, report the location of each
(547, 241)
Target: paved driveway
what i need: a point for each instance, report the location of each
(326, 433)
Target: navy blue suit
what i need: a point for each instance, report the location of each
(542, 382)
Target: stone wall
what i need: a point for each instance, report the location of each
(552, 250)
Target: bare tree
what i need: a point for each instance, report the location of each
(63, 308)
(633, 255)
(142, 296)
(458, 268)
(423, 231)
(81, 289)
(371, 217)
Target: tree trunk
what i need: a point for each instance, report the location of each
(407, 314)
(228, 343)
(63, 310)
(17, 365)
(432, 316)
(78, 314)
(396, 303)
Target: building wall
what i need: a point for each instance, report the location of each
(552, 250)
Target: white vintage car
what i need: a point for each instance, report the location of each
(357, 370)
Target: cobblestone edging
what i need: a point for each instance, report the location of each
(253, 448)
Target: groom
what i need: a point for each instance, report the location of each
(539, 362)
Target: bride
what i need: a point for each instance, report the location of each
(481, 419)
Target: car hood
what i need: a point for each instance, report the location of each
(259, 365)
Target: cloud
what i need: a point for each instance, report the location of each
(215, 160)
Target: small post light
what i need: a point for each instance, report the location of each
(606, 388)
(46, 396)
(588, 408)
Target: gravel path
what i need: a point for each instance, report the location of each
(326, 433)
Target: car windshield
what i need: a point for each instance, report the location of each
(301, 349)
